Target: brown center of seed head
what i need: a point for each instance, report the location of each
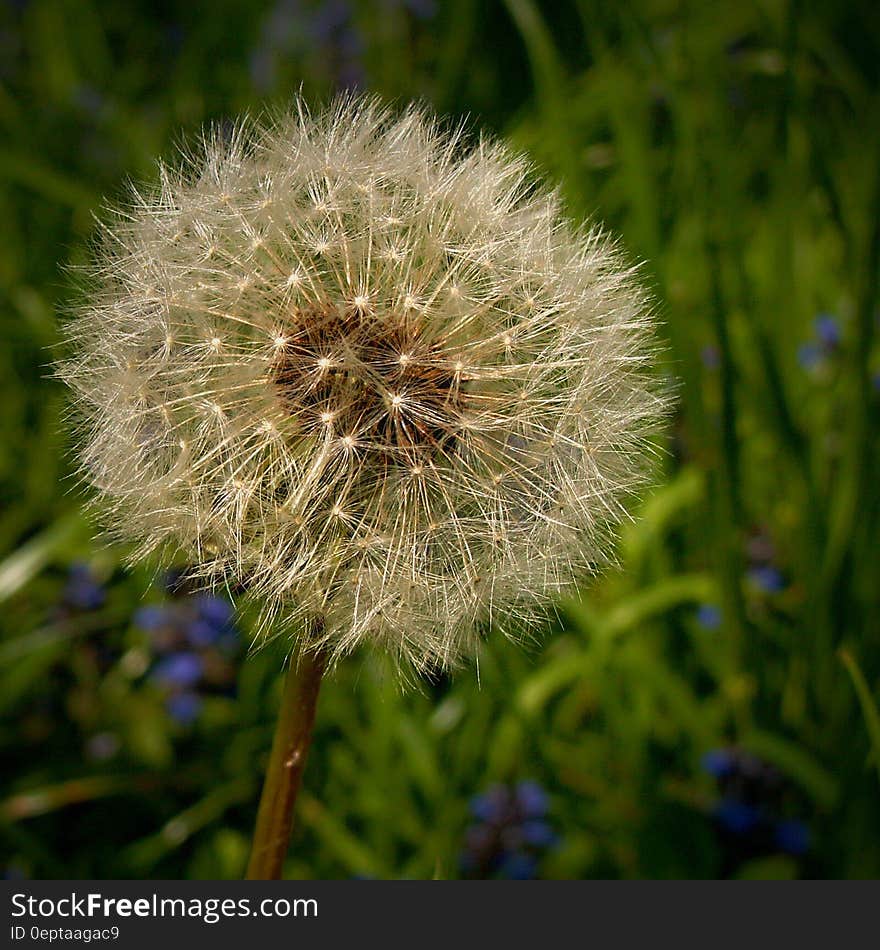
(384, 384)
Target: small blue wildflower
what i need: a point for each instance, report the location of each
(200, 633)
(747, 814)
(152, 617)
(735, 816)
(531, 799)
(709, 616)
(792, 837)
(719, 763)
(768, 578)
(183, 707)
(179, 669)
(710, 357)
(516, 866)
(214, 610)
(83, 591)
(491, 806)
(809, 355)
(539, 834)
(510, 834)
(827, 330)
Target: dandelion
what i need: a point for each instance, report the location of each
(368, 374)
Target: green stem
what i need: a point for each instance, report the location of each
(290, 745)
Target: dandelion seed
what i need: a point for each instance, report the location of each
(397, 271)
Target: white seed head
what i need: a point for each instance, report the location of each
(401, 395)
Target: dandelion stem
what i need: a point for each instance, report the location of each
(290, 745)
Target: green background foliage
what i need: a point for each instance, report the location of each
(735, 147)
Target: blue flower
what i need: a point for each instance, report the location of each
(183, 707)
(179, 669)
(510, 834)
(492, 806)
(710, 357)
(538, 834)
(152, 617)
(792, 837)
(214, 610)
(200, 633)
(709, 616)
(748, 810)
(719, 762)
(212, 622)
(827, 330)
(809, 355)
(83, 590)
(825, 342)
(531, 799)
(516, 866)
(768, 578)
(736, 817)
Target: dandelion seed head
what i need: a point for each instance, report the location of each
(403, 395)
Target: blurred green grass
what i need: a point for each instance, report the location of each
(736, 149)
